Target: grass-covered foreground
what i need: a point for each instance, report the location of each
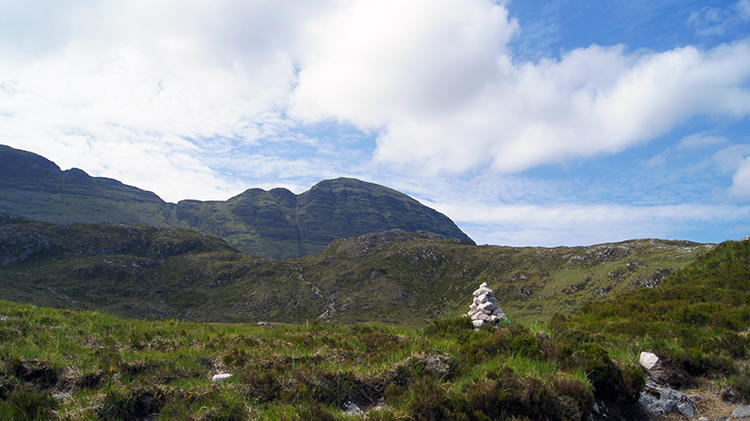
(57, 364)
(70, 365)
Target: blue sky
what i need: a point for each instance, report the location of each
(527, 122)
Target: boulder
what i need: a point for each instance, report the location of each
(648, 360)
(659, 401)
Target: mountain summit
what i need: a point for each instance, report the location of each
(275, 223)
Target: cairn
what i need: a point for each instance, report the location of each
(484, 309)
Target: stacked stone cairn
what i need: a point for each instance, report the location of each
(484, 309)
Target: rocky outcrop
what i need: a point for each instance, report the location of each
(16, 247)
(659, 398)
(484, 310)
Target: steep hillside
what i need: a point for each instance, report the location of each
(275, 223)
(393, 277)
(698, 318)
(36, 188)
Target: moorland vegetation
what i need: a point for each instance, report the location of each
(77, 365)
(393, 277)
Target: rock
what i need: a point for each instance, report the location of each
(487, 307)
(218, 378)
(483, 291)
(352, 408)
(660, 401)
(648, 360)
(741, 412)
(482, 316)
(477, 323)
(481, 299)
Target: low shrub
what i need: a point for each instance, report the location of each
(738, 387)
(314, 412)
(501, 395)
(132, 404)
(28, 402)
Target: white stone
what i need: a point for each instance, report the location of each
(477, 323)
(741, 412)
(221, 377)
(483, 291)
(481, 316)
(352, 408)
(648, 360)
(481, 299)
(487, 307)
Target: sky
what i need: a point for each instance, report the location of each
(529, 123)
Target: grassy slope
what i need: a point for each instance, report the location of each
(699, 318)
(392, 277)
(61, 365)
(66, 365)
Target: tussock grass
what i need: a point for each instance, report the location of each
(65, 365)
(58, 364)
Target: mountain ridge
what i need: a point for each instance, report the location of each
(275, 223)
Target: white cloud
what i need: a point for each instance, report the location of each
(700, 140)
(368, 61)
(554, 225)
(730, 158)
(138, 91)
(741, 180)
(448, 97)
(713, 21)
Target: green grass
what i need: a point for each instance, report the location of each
(147, 272)
(58, 364)
(71, 365)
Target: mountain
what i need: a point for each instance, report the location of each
(35, 187)
(278, 223)
(275, 223)
(392, 277)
